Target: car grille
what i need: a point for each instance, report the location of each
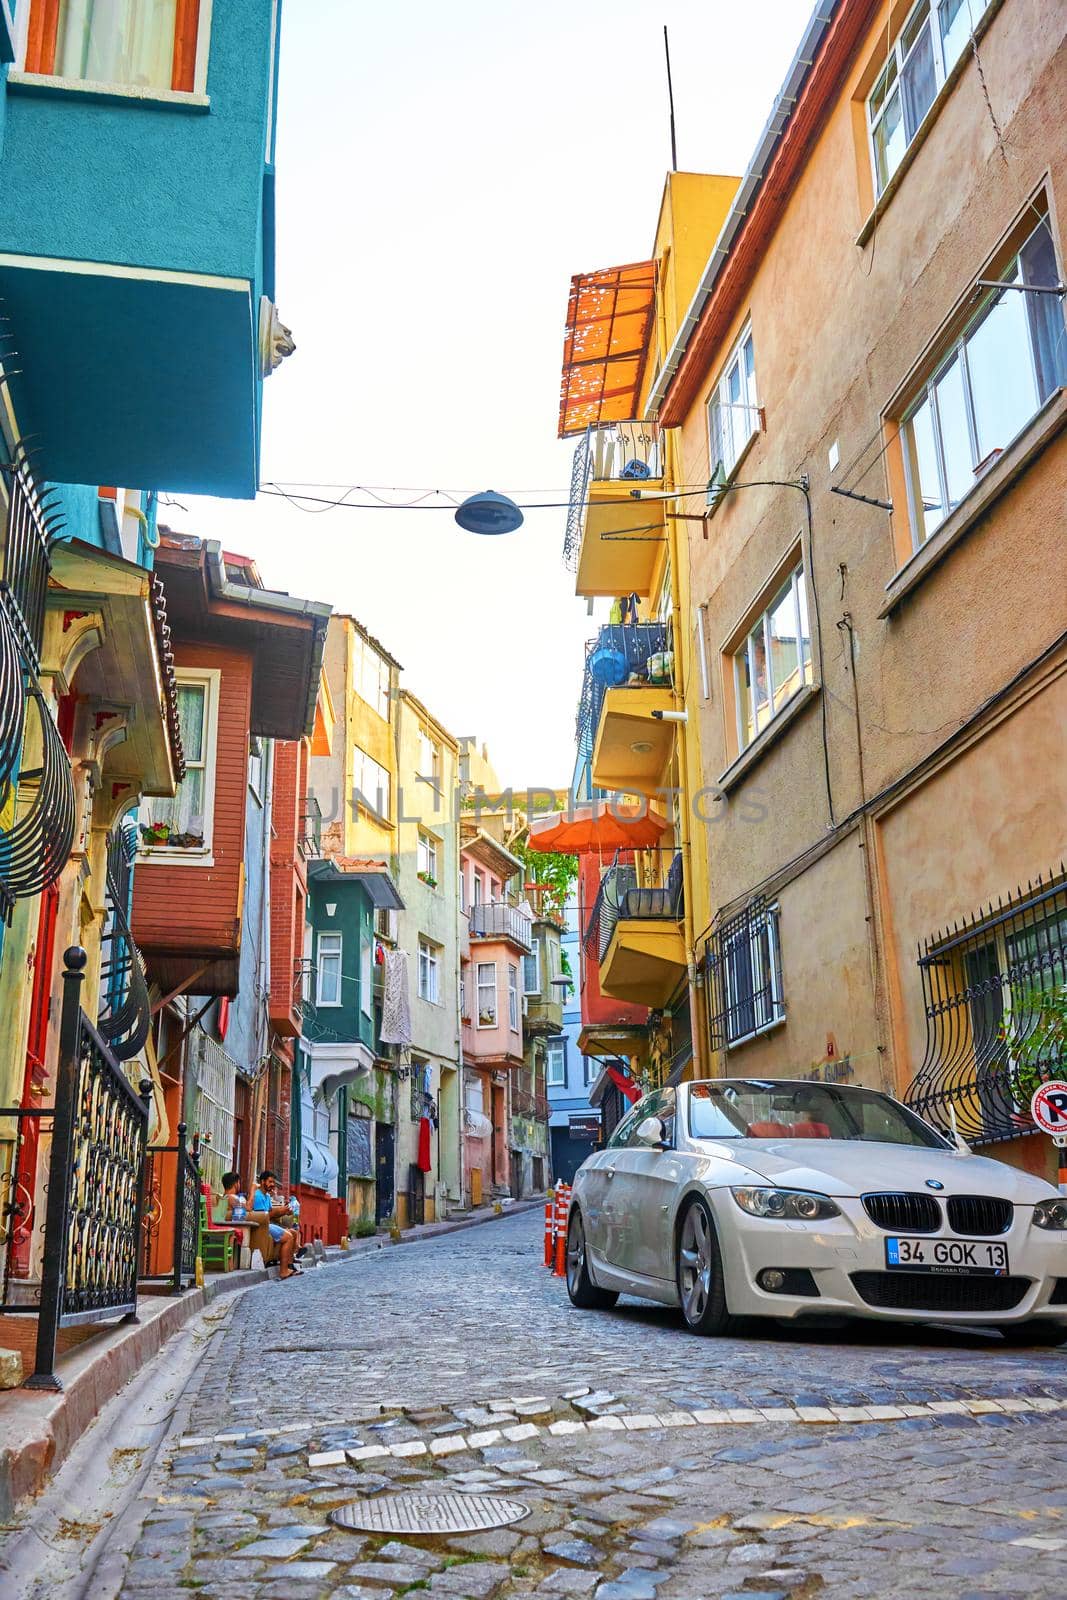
(922, 1291)
(979, 1214)
(910, 1213)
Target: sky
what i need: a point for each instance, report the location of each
(443, 170)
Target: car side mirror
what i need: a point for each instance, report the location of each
(652, 1134)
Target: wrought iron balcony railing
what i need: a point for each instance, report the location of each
(311, 828)
(623, 453)
(125, 1014)
(622, 654)
(497, 920)
(619, 898)
(33, 762)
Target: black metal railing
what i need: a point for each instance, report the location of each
(622, 654)
(495, 919)
(664, 903)
(34, 769)
(311, 828)
(993, 988)
(171, 1259)
(35, 849)
(125, 1015)
(623, 453)
(607, 908)
(95, 1190)
(744, 974)
(32, 524)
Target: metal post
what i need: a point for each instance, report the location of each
(144, 1088)
(179, 1211)
(53, 1269)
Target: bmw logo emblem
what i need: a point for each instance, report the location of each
(933, 1183)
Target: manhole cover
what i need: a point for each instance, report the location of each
(430, 1513)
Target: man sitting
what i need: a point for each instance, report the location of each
(287, 1239)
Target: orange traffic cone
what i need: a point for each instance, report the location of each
(550, 1232)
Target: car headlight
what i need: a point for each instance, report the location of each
(1051, 1214)
(793, 1205)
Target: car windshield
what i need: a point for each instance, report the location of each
(753, 1108)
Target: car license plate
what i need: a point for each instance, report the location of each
(957, 1256)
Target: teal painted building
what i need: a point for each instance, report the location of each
(137, 244)
(342, 1124)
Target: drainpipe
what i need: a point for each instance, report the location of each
(681, 637)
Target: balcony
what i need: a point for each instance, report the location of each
(164, 283)
(616, 517)
(543, 1016)
(310, 834)
(498, 920)
(636, 936)
(627, 656)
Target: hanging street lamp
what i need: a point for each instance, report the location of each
(489, 512)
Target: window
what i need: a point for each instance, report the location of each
(923, 54)
(733, 408)
(464, 1013)
(328, 987)
(366, 976)
(429, 972)
(487, 994)
(429, 768)
(747, 975)
(531, 971)
(556, 1063)
(427, 858)
(371, 783)
(370, 675)
(592, 1070)
(513, 998)
(476, 888)
(1008, 363)
(183, 825)
(774, 661)
(145, 44)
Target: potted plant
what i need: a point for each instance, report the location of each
(1035, 1036)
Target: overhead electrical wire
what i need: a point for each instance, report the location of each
(314, 504)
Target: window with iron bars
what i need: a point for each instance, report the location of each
(995, 997)
(745, 973)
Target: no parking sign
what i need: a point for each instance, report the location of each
(1049, 1109)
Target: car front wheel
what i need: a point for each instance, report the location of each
(580, 1286)
(701, 1291)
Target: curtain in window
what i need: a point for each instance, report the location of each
(185, 813)
(117, 41)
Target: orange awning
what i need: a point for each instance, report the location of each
(602, 826)
(609, 323)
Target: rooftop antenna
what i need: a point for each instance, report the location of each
(670, 97)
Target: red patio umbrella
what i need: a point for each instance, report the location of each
(602, 825)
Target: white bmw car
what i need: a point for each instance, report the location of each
(741, 1197)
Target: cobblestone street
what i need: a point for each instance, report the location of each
(655, 1466)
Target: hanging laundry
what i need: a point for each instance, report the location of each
(424, 1145)
(396, 1003)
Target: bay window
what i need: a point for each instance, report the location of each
(328, 982)
(997, 376)
(140, 44)
(774, 662)
(924, 52)
(487, 1004)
